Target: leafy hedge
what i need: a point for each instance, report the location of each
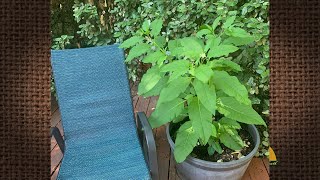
(85, 23)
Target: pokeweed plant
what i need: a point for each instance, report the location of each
(193, 77)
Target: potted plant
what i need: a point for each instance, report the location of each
(211, 120)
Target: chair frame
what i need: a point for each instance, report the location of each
(146, 138)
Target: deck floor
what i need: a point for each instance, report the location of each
(257, 170)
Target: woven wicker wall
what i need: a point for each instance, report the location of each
(24, 89)
(25, 84)
(295, 88)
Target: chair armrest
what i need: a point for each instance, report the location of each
(148, 144)
(55, 132)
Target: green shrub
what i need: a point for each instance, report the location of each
(182, 18)
(80, 24)
(193, 77)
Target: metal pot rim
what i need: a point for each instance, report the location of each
(234, 163)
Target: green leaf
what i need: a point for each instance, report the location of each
(131, 41)
(185, 142)
(238, 41)
(177, 65)
(203, 73)
(146, 25)
(180, 118)
(192, 47)
(160, 41)
(226, 64)
(166, 112)
(215, 23)
(178, 51)
(206, 95)
(174, 75)
(155, 91)
(201, 119)
(230, 122)
(212, 42)
(156, 27)
(216, 146)
(203, 32)
(174, 89)
(221, 50)
(138, 50)
(228, 22)
(149, 80)
(189, 97)
(211, 150)
(206, 26)
(154, 57)
(238, 32)
(214, 131)
(230, 141)
(231, 108)
(173, 44)
(117, 34)
(231, 86)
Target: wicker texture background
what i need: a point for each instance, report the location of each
(25, 97)
(24, 89)
(295, 88)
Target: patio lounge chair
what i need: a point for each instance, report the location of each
(102, 140)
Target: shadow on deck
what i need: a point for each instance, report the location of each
(257, 170)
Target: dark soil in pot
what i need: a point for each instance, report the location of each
(201, 152)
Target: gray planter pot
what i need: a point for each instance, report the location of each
(197, 169)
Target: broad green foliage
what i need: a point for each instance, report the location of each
(195, 83)
(174, 89)
(231, 86)
(214, 146)
(176, 66)
(137, 51)
(230, 122)
(203, 73)
(231, 139)
(233, 109)
(131, 41)
(149, 80)
(154, 56)
(192, 47)
(155, 91)
(201, 119)
(185, 142)
(206, 94)
(166, 111)
(156, 26)
(225, 64)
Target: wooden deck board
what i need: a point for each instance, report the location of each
(55, 118)
(266, 164)
(257, 170)
(172, 169)
(246, 176)
(152, 105)
(53, 143)
(142, 105)
(55, 174)
(163, 152)
(54, 103)
(56, 157)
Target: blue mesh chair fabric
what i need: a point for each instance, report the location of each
(97, 115)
